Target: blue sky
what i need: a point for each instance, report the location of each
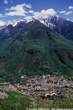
(12, 11)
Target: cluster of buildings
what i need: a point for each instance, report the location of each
(52, 87)
(46, 86)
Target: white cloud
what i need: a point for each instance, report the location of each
(2, 23)
(6, 2)
(29, 6)
(48, 12)
(69, 12)
(18, 10)
(40, 15)
(27, 13)
(70, 7)
(62, 12)
(1, 15)
(43, 13)
(31, 11)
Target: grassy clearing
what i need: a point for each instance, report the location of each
(17, 101)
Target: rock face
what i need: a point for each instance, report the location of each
(51, 87)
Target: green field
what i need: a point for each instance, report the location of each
(17, 101)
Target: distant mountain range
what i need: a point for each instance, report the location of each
(36, 48)
(60, 25)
